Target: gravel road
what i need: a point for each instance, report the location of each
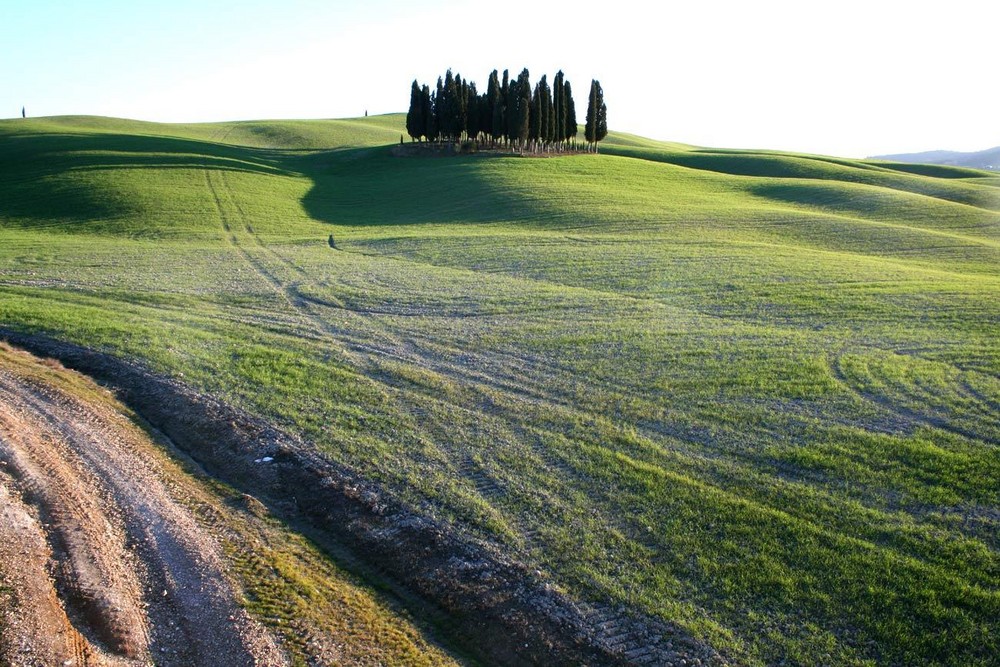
(100, 561)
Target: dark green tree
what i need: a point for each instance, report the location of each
(462, 87)
(438, 100)
(597, 115)
(506, 104)
(571, 124)
(485, 117)
(510, 112)
(427, 113)
(433, 123)
(546, 123)
(415, 116)
(602, 116)
(542, 117)
(494, 127)
(498, 120)
(523, 108)
(450, 112)
(558, 108)
(472, 112)
(534, 116)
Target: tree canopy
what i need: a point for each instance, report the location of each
(511, 112)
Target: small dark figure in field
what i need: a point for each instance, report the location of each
(330, 241)
(23, 115)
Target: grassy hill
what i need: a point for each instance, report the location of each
(986, 159)
(755, 394)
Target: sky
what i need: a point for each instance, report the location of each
(849, 78)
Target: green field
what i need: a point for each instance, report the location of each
(753, 393)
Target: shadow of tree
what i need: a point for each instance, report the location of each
(371, 187)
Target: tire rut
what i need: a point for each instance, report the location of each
(139, 580)
(906, 414)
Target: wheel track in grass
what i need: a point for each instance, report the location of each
(302, 304)
(288, 292)
(626, 636)
(835, 363)
(525, 621)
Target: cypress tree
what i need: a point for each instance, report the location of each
(543, 116)
(462, 118)
(497, 124)
(541, 109)
(523, 107)
(571, 125)
(591, 123)
(415, 116)
(506, 105)
(558, 109)
(597, 115)
(472, 112)
(433, 125)
(485, 116)
(510, 112)
(427, 113)
(602, 115)
(448, 102)
(534, 115)
(439, 109)
(547, 122)
(492, 97)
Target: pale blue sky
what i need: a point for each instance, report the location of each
(853, 77)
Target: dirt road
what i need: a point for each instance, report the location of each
(101, 562)
(489, 604)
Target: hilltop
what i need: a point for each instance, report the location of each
(738, 407)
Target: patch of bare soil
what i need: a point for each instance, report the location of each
(496, 608)
(101, 563)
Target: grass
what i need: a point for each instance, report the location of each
(753, 393)
(316, 607)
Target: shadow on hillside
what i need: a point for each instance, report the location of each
(747, 163)
(55, 153)
(365, 187)
(944, 183)
(42, 177)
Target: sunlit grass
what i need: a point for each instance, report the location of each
(753, 393)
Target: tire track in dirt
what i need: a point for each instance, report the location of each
(36, 629)
(489, 602)
(136, 579)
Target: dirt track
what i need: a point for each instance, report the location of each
(491, 605)
(100, 561)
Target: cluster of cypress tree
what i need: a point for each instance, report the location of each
(509, 113)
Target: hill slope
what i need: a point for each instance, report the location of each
(987, 159)
(752, 395)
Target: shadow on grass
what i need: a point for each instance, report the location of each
(366, 187)
(42, 177)
(44, 154)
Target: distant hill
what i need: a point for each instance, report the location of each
(987, 159)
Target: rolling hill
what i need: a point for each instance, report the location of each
(987, 159)
(750, 399)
